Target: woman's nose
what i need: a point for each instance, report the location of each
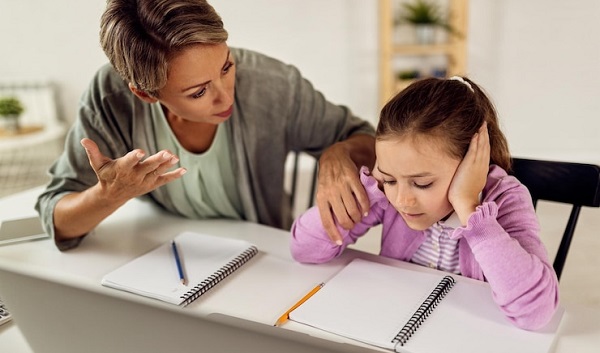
(224, 95)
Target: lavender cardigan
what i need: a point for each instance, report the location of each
(500, 245)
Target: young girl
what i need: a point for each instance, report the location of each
(442, 194)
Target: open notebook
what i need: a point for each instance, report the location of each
(413, 311)
(205, 260)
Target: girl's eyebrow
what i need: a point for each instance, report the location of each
(207, 82)
(382, 172)
(418, 175)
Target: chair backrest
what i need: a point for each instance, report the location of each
(295, 174)
(577, 184)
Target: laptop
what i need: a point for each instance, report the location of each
(58, 316)
(21, 229)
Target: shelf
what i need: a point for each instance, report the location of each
(422, 49)
(454, 50)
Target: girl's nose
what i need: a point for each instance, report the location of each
(404, 198)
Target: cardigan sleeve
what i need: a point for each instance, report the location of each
(504, 238)
(105, 123)
(310, 242)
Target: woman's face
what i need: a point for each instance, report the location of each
(416, 175)
(200, 84)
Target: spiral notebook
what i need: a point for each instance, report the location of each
(205, 260)
(412, 311)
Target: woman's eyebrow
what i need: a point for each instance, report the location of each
(207, 82)
(195, 86)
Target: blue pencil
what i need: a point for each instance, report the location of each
(178, 262)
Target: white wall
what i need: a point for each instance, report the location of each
(55, 40)
(333, 42)
(538, 59)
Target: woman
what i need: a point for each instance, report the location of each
(202, 128)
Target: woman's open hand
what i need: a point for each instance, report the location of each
(130, 176)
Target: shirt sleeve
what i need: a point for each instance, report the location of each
(316, 123)
(504, 238)
(72, 172)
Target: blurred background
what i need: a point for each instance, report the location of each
(537, 59)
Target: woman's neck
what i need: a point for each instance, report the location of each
(194, 137)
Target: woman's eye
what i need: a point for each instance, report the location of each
(227, 67)
(423, 186)
(389, 182)
(199, 93)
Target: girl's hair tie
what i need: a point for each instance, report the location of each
(462, 80)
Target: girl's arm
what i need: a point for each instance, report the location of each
(310, 242)
(503, 235)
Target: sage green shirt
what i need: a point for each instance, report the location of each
(208, 189)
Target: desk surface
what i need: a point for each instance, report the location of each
(139, 227)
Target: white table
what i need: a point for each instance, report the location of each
(139, 227)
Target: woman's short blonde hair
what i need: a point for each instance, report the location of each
(140, 36)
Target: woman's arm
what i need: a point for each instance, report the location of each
(119, 181)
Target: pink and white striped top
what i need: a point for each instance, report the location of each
(438, 250)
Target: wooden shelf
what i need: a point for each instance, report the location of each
(422, 49)
(454, 50)
(24, 130)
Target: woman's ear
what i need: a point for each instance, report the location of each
(141, 94)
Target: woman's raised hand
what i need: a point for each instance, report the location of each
(130, 176)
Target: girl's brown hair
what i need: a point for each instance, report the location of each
(448, 109)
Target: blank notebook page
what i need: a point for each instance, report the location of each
(364, 302)
(155, 274)
(371, 302)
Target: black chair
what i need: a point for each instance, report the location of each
(577, 184)
(313, 183)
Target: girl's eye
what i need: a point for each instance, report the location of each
(227, 67)
(423, 186)
(199, 93)
(389, 182)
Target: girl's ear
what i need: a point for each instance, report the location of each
(141, 94)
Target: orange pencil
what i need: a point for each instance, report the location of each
(285, 317)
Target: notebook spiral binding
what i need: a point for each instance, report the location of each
(424, 310)
(218, 276)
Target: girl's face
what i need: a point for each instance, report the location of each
(200, 84)
(416, 174)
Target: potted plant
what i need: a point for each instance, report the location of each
(425, 16)
(10, 110)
